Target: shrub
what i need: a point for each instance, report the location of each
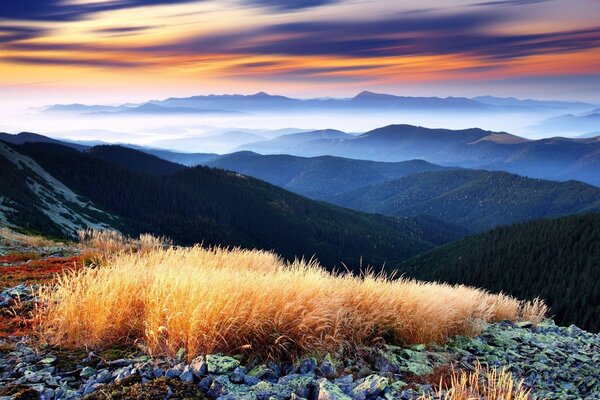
(243, 301)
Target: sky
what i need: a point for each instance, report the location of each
(92, 51)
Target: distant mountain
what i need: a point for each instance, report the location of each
(152, 108)
(187, 159)
(557, 260)
(224, 142)
(32, 200)
(216, 207)
(535, 104)
(589, 135)
(570, 124)
(263, 102)
(82, 108)
(477, 200)
(295, 142)
(318, 177)
(135, 160)
(28, 137)
(555, 158)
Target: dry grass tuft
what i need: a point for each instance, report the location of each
(483, 383)
(102, 245)
(12, 238)
(242, 301)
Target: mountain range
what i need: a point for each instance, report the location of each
(377, 102)
(552, 158)
(318, 177)
(474, 199)
(198, 205)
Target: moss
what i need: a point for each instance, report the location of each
(19, 392)
(131, 388)
(118, 352)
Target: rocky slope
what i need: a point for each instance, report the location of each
(554, 362)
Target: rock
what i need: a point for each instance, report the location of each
(187, 375)
(221, 364)
(393, 391)
(417, 368)
(48, 359)
(308, 365)
(120, 363)
(87, 372)
(327, 369)
(221, 386)
(271, 391)
(205, 383)
(329, 391)
(262, 372)
(238, 375)
(198, 366)
(172, 373)
(299, 384)
(371, 386)
(251, 380)
(158, 372)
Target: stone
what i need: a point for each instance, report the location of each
(186, 375)
(48, 359)
(238, 375)
(198, 366)
(371, 386)
(299, 384)
(87, 372)
(271, 391)
(172, 373)
(417, 368)
(327, 390)
(327, 369)
(308, 365)
(216, 364)
(262, 372)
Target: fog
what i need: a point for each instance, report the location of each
(178, 131)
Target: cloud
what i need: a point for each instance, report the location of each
(510, 2)
(71, 61)
(428, 34)
(63, 10)
(122, 30)
(10, 34)
(290, 5)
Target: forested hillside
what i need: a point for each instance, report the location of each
(318, 177)
(478, 200)
(555, 259)
(217, 207)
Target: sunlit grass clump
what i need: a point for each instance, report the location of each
(482, 383)
(252, 302)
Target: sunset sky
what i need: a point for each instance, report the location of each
(127, 50)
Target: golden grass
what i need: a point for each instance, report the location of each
(101, 245)
(483, 383)
(242, 301)
(11, 238)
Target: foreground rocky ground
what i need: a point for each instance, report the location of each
(554, 362)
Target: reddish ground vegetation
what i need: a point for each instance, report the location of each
(35, 270)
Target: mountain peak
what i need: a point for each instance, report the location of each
(365, 94)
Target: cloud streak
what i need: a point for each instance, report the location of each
(61, 10)
(426, 35)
